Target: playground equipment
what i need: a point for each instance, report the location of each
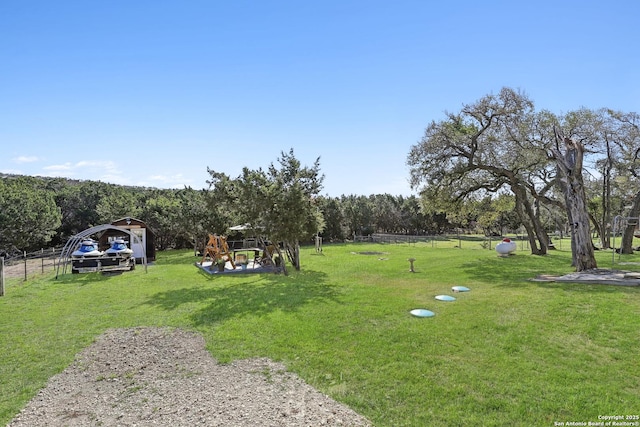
(253, 254)
(217, 249)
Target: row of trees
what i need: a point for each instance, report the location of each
(583, 163)
(281, 202)
(40, 212)
(496, 166)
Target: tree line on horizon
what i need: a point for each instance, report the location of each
(37, 212)
(496, 166)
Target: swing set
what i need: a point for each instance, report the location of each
(265, 254)
(217, 249)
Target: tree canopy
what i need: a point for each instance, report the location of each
(279, 203)
(492, 145)
(501, 143)
(28, 214)
(495, 166)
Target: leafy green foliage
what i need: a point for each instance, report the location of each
(496, 214)
(29, 216)
(117, 203)
(358, 215)
(292, 212)
(333, 218)
(490, 146)
(278, 203)
(77, 202)
(194, 219)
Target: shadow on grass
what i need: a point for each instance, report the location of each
(84, 278)
(233, 296)
(516, 268)
(587, 288)
(519, 270)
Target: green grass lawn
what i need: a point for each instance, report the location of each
(510, 352)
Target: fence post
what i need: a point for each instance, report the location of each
(1, 276)
(25, 265)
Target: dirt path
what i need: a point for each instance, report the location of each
(165, 377)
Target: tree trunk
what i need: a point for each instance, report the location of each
(627, 234)
(606, 203)
(570, 170)
(283, 263)
(293, 253)
(569, 230)
(529, 221)
(599, 231)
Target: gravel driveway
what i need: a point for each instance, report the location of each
(165, 377)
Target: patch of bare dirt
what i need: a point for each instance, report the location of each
(165, 377)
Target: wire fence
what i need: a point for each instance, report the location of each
(393, 238)
(446, 240)
(28, 264)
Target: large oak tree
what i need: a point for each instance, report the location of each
(490, 145)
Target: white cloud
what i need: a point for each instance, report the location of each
(115, 173)
(165, 178)
(12, 171)
(170, 181)
(56, 168)
(106, 165)
(101, 170)
(113, 179)
(25, 159)
(101, 164)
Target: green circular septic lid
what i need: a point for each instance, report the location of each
(421, 312)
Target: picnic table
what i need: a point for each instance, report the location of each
(256, 254)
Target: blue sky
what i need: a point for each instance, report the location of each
(153, 92)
